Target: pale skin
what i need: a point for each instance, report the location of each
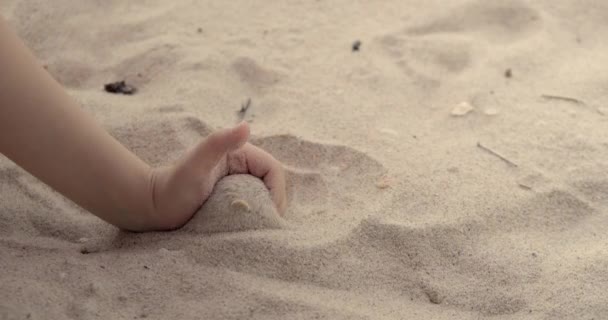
(44, 130)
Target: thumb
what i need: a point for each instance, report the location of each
(209, 152)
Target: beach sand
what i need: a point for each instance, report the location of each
(455, 166)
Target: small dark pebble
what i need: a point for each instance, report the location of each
(534, 254)
(103, 267)
(434, 297)
(146, 267)
(199, 30)
(356, 45)
(85, 250)
(508, 73)
(120, 87)
(454, 170)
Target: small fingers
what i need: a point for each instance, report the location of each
(261, 164)
(208, 153)
(275, 182)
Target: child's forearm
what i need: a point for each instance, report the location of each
(44, 131)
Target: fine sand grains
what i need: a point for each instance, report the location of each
(237, 203)
(403, 202)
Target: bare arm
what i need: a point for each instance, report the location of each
(45, 131)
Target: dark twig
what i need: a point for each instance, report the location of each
(244, 108)
(494, 153)
(524, 186)
(568, 99)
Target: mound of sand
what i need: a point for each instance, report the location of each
(238, 203)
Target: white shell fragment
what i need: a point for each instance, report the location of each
(462, 109)
(490, 112)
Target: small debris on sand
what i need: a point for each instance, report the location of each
(433, 296)
(389, 131)
(496, 154)
(563, 98)
(383, 182)
(244, 107)
(91, 247)
(462, 109)
(120, 87)
(240, 205)
(356, 46)
(490, 111)
(523, 185)
(508, 73)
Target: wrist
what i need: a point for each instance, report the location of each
(140, 209)
(152, 219)
(156, 211)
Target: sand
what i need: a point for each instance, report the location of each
(239, 202)
(454, 167)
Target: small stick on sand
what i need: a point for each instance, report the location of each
(244, 108)
(524, 186)
(568, 99)
(494, 153)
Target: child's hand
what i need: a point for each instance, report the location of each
(83, 162)
(179, 190)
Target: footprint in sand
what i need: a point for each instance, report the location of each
(324, 178)
(503, 21)
(238, 203)
(428, 60)
(253, 75)
(450, 43)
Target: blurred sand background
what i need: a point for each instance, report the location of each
(454, 167)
